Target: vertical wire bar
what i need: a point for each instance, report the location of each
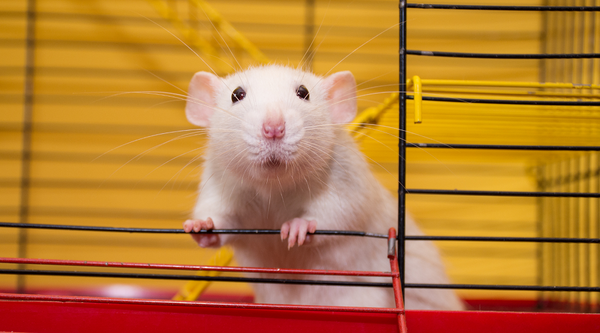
(595, 247)
(585, 231)
(544, 63)
(551, 33)
(569, 42)
(556, 213)
(575, 224)
(579, 74)
(193, 16)
(544, 220)
(541, 186)
(397, 285)
(559, 269)
(587, 45)
(26, 139)
(596, 42)
(402, 144)
(578, 28)
(309, 31)
(547, 232)
(564, 267)
(549, 210)
(571, 229)
(595, 79)
(560, 43)
(552, 74)
(579, 227)
(558, 248)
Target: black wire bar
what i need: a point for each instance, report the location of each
(194, 278)
(510, 8)
(506, 239)
(289, 281)
(318, 232)
(181, 231)
(507, 101)
(503, 55)
(507, 193)
(402, 117)
(500, 287)
(503, 147)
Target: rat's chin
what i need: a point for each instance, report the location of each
(272, 163)
(272, 166)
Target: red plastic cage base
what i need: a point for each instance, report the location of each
(88, 314)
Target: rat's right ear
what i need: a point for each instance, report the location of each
(201, 101)
(341, 91)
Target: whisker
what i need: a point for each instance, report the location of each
(221, 36)
(182, 42)
(181, 169)
(138, 156)
(233, 158)
(146, 137)
(308, 49)
(165, 81)
(359, 47)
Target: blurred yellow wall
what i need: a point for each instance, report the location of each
(105, 152)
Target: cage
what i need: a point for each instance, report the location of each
(499, 167)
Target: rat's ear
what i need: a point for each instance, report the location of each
(341, 92)
(201, 101)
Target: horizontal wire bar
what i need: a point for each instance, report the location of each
(500, 287)
(506, 193)
(507, 239)
(503, 55)
(181, 185)
(502, 147)
(108, 300)
(318, 232)
(511, 8)
(181, 231)
(506, 101)
(194, 278)
(31, 261)
(295, 281)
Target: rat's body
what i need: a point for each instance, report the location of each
(279, 158)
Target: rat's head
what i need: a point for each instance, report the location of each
(272, 123)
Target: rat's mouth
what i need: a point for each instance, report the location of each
(272, 162)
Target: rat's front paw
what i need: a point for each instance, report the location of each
(297, 230)
(204, 240)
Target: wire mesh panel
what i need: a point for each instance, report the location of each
(573, 265)
(544, 121)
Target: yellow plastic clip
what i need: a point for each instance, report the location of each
(418, 98)
(191, 290)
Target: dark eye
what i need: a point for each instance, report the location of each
(238, 94)
(302, 92)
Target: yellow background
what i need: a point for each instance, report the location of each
(106, 151)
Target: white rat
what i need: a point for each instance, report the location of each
(279, 157)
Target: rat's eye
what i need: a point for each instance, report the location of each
(238, 94)
(302, 92)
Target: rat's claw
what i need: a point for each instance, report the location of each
(204, 240)
(188, 225)
(297, 230)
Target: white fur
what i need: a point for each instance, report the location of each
(322, 176)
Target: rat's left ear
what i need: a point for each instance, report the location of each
(341, 92)
(201, 102)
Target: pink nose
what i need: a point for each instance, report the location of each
(274, 130)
